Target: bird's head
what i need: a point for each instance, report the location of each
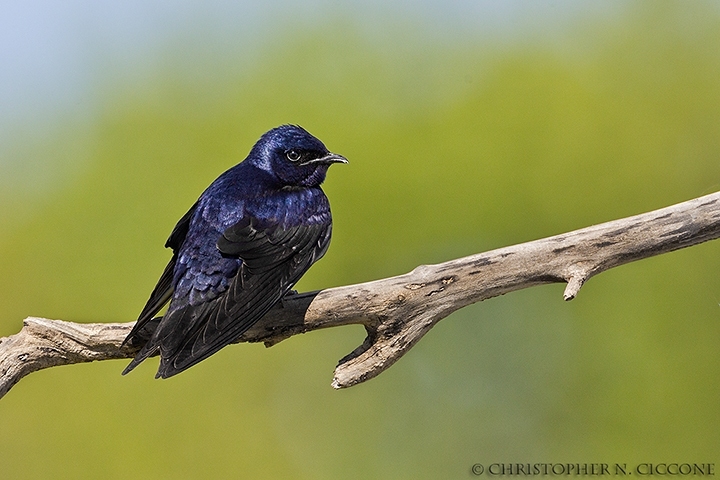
(293, 156)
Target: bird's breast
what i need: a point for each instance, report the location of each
(292, 207)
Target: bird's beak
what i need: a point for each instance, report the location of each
(328, 159)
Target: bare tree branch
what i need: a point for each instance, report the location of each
(398, 311)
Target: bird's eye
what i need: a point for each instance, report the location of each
(293, 155)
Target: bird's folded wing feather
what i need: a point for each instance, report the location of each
(273, 260)
(163, 291)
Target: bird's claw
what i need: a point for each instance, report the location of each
(289, 293)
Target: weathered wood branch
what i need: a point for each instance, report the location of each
(398, 311)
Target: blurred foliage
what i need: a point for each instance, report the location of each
(455, 147)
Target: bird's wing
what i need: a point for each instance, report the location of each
(273, 260)
(163, 291)
(177, 236)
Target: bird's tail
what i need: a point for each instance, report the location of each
(147, 351)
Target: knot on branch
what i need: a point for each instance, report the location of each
(576, 276)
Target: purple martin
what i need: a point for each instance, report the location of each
(247, 240)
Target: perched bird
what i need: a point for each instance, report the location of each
(243, 245)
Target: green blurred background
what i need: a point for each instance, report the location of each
(468, 127)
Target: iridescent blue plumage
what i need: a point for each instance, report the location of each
(242, 246)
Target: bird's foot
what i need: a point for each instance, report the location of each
(290, 293)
